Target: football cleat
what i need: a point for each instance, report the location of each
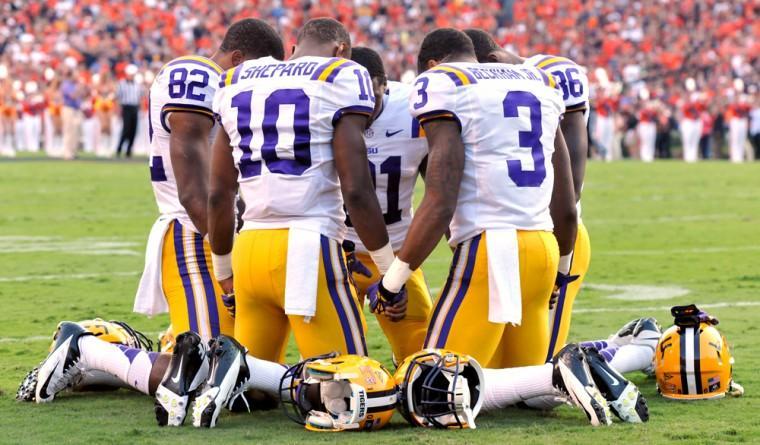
(60, 369)
(187, 370)
(624, 335)
(647, 333)
(26, 390)
(226, 381)
(623, 397)
(573, 378)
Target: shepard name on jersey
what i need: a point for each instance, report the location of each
(279, 116)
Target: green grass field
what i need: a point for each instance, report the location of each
(71, 247)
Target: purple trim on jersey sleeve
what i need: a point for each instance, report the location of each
(577, 107)
(354, 109)
(439, 114)
(169, 107)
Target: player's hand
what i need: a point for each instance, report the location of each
(352, 263)
(561, 281)
(229, 303)
(391, 304)
(226, 285)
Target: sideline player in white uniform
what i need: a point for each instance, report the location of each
(295, 129)
(492, 162)
(573, 83)
(397, 150)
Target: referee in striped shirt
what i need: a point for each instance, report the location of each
(128, 94)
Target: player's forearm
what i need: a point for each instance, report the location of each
(221, 220)
(367, 217)
(562, 206)
(445, 167)
(576, 138)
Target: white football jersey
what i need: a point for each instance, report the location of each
(184, 84)
(508, 116)
(395, 149)
(571, 79)
(280, 117)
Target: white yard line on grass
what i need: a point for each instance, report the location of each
(80, 246)
(694, 250)
(74, 276)
(33, 338)
(666, 219)
(663, 308)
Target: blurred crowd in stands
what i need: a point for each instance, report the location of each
(669, 78)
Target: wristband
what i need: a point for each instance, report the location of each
(565, 261)
(222, 266)
(383, 257)
(397, 275)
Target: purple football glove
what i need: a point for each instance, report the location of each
(381, 298)
(352, 263)
(229, 302)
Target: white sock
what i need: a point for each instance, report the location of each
(265, 375)
(544, 403)
(131, 366)
(504, 387)
(632, 358)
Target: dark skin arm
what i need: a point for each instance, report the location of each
(355, 181)
(443, 175)
(190, 153)
(221, 200)
(573, 127)
(562, 206)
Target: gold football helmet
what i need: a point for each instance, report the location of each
(692, 360)
(440, 388)
(339, 392)
(116, 332)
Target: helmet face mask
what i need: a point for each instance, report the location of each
(337, 393)
(440, 389)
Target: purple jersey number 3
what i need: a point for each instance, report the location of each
(530, 139)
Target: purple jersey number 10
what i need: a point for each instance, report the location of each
(530, 139)
(302, 142)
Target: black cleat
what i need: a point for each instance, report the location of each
(573, 378)
(624, 398)
(625, 334)
(187, 370)
(226, 381)
(61, 367)
(27, 388)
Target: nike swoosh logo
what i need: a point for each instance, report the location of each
(392, 133)
(175, 379)
(43, 390)
(614, 381)
(57, 370)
